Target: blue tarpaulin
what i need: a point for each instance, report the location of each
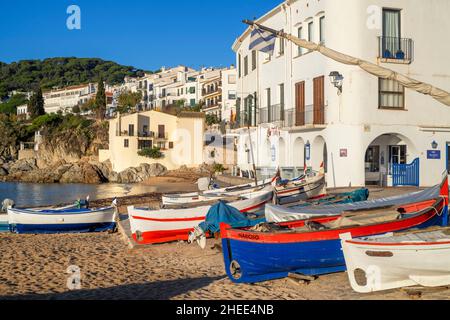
(223, 213)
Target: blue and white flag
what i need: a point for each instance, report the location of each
(263, 41)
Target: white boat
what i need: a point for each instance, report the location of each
(4, 223)
(395, 261)
(213, 194)
(165, 225)
(302, 189)
(62, 221)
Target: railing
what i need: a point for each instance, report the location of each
(392, 48)
(295, 118)
(149, 134)
(273, 113)
(162, 136)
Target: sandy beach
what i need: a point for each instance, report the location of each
(36, 267)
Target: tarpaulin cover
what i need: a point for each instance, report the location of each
(223, 213)
(281, 214)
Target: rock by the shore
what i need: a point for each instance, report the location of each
(141, 173)
(3, 172)
(24, 165)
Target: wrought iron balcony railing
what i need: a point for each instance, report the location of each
(393, 48)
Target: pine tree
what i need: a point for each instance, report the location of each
(100, 100)
(36, 104)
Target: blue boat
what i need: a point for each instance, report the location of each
(313, 247)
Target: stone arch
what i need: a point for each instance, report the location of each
(384, 150)
(298, 153)
(319, 153)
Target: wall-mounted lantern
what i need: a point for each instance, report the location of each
(308, 151)
(337, 80)
(434, 145)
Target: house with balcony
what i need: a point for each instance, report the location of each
(305, 109)
(179, 137)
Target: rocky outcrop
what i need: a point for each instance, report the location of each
(86, 172)
(139, 174)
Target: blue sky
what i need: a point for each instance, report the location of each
(146, 34)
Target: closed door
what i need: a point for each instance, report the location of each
(161, 131)
(300, 103)
(319, 100)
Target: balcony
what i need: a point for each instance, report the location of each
(149, 134)
(274, 113)
(309, 117)
(162, 136)
(395, 50)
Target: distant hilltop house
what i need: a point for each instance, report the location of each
(180, 139)
(63, 100)
(22, 112)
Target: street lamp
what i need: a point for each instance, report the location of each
(337, 80)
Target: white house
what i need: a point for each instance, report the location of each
(66, 98)
(361, 134)
(22, 111)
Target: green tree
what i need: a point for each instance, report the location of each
(76, 109)
(10, 107)
(128, 100)
(211, 119)
(153, 153)
(100, 100)
(36, 104)
(88, 105)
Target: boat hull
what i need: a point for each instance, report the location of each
(71, 221)
(386, 267)
(266, 256)
(166, 225)
(300, 191)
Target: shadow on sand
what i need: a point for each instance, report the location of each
(159, 290)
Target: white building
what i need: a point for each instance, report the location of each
(229, 87)
(22, 111)
(66, 98)
(298, 116)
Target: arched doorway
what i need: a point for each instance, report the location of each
(319, 154)
(384, 151)
(298, 153)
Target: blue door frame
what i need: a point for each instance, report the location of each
(406, 174)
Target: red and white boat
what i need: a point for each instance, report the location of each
(166, 225)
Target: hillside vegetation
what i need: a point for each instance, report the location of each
(59, 72)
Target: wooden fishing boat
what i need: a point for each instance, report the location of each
(166, 225)
(214, 194)
(300, 211)
(301, 189)
(313, 247)
(399, 260)
(62, 221)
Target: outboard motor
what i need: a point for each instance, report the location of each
(7, 203)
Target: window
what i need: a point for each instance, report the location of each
(144, 144)
(239, 65)
(448, 157)
(281, 45)
(131, 130)
(232, 79)
(322, 29)
(391, 94)
(192, 102)
(192, 90)
(232, 95)
(391, 43)
(254, 60)
(246, 65)
(300, 36)
(281, 87)
(171, 145)
(311, 31)
(397, 155)
(126, 143)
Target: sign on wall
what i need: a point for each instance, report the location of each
(434, 154)
(343, 153)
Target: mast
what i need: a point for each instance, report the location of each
(438, 94)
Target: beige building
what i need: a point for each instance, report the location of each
(180, 139)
